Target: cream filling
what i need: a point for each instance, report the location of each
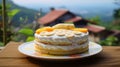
(54, 38)
(70, 47)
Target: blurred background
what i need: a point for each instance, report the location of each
(23, 17)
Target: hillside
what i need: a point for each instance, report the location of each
(24, 12)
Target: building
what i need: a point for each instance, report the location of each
(96, 32)
(61, 16)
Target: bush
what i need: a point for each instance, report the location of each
(27, 34)
(110, 41)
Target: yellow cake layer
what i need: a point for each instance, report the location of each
(61, 50)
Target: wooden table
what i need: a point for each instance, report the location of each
(11, 57)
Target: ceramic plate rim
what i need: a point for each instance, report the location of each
(60, 57)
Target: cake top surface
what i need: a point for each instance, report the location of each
(61, 30)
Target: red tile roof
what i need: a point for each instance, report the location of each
(95, 28)
(115, 32)
(75, 19)
(51, 16)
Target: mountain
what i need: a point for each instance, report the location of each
(24, 13)
(105, 12)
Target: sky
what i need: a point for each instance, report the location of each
(61, 2)
(83, 7)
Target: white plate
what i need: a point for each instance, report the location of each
(29, 50)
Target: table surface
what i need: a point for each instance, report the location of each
(10, 56)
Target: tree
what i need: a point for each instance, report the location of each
(0, 9)
(10, 14)
(116, 16)
(110, 41)
(95, 19)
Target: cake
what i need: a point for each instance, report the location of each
(61, 39)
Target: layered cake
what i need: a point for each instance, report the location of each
(61, 39)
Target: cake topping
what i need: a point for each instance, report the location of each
(64, 26)
(84, 30)
(69, 35)
(43, 33)
(77, 32)
(61, 30)
(60, 33)
(49, 33)
(38, 31)
(49, 29)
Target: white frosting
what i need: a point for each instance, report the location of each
(55, 38)
(53, 47)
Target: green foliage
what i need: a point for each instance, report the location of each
(116, 14)
(18, 18)
(27, 34)
(110, 41)
(24, 12)
(0, 9)
(23, 19)
(95, 19)
(30, 38)
(1, 44)
(26, 31)
(12, 13)
(106, 25)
